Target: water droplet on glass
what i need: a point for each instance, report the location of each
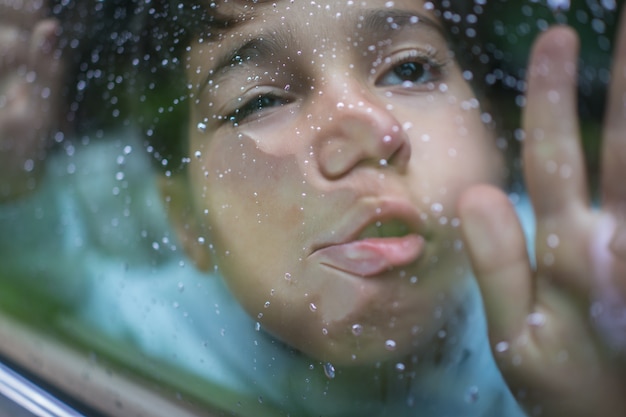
(554, 96)
(558, 5)
(436, 208)
(312, 307)
(536, 319)
(357, 329)
(553, 241)
(471, 396)
(329, 370)
(390, 345)
(201, 127)
(29, 165)
(400, 366)
(502, 347)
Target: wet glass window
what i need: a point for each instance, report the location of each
(312, 208)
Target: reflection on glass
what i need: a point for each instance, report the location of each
(303, 208)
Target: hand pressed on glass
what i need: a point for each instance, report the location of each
(558, 329)
(30, 83)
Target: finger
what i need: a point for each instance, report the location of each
(552, 156)
(614, 140)
(32, 59)
(44, 56)
(497, 250)
(22, 13)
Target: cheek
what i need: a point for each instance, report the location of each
(244, 186)
(254, 207)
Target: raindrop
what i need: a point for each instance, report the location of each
(257, 326)
(287, 277)
(471, 396)
(357, 329)
(390, 345)
(267, 304)
(400, 366)
(329, 370)
(609, 4)
(558, 5)
(313, 307)
(553, 241)
(201, 127)
(554, 96)
(436, 208)
(502, 347)
(29, 165)
(181, 287)
(536, 319)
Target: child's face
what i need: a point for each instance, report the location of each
(329, 144)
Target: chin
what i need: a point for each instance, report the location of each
(365, 349)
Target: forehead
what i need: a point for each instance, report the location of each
(291, 22)
(232, 14)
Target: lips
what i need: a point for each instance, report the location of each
(382, 243)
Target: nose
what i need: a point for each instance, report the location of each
(358, 132)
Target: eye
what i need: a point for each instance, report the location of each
(256, 105)
(412, 70)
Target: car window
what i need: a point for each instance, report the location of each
(257, 208)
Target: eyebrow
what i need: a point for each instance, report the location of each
(271, 43)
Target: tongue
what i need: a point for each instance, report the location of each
(372, 256)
